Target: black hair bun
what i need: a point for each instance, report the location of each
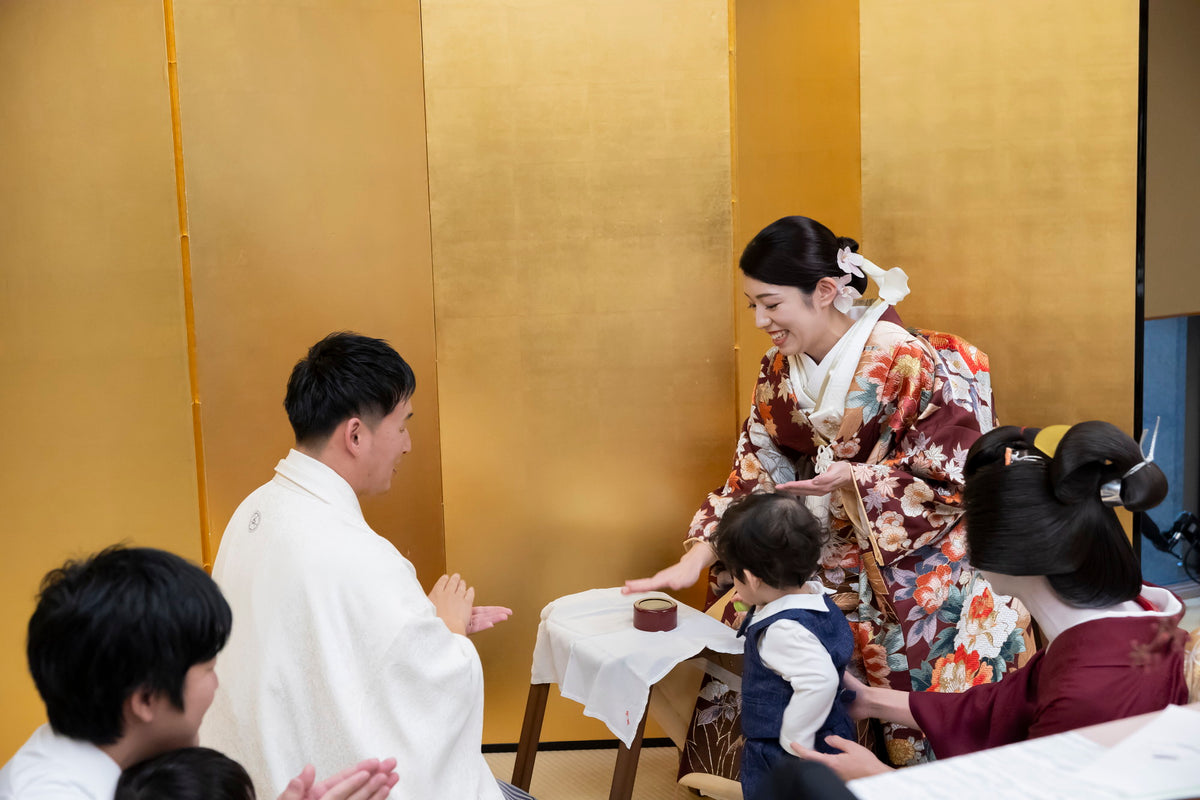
(846, 241)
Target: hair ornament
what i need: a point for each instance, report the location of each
(1013, 455)
(1110, 492)
(846, 295)
(892, 283)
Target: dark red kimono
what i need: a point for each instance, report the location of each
(1093, 672)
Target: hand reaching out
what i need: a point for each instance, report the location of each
(855, 761)
(858, 707)
(484, 617)
(452, 599)
(838, 475)
(367, 780)
(679, 575)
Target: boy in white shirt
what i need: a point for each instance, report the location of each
(122, 647)
(797, 641)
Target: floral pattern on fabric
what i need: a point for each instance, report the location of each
(925, 619)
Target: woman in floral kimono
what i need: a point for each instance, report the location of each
(871, 424)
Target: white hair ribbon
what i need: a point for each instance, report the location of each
(892, 283)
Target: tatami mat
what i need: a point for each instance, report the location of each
(587, 774)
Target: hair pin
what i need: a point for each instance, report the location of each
(1110, 492)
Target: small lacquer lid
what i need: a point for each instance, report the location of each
(655, 614)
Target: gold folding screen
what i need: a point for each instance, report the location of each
(796, 137)
(97, 441)
(999, 168)
(579, 194)
(304, 144)
(553, 255)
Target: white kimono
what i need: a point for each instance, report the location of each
(336, 653)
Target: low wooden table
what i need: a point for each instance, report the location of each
(625, 770)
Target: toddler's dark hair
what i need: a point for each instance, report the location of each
(191, 773)
(772, 535)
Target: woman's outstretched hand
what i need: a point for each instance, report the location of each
(367, 780)
(679, 575)
(838, 475)
(855, 761)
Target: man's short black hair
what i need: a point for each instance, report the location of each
(191, 773)
(772, 535)
(345, 375)
(123, 620)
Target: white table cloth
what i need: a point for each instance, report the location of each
(586, 643)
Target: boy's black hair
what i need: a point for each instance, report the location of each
(192, 773)
(772, 535)
(122, 620)
(345, 375)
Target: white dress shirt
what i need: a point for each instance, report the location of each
(53, 767)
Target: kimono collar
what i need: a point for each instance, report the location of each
(821, 389)
(306, 474)
(1054, 616)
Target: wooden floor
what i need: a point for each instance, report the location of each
(587, 774)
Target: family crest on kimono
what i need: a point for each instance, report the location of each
(870, 423)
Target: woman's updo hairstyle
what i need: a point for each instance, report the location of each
(797, 251)
(1029, 513)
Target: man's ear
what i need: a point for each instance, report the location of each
(352, 431)
(141, 705)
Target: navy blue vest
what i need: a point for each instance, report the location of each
(765, 695)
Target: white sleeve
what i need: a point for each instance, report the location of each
(792, 651)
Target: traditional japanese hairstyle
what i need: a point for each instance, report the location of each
(798, 251)
(1036, 506)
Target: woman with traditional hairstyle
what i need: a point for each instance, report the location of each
(1041, 527)
(870, 423)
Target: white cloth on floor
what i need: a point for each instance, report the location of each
(586, 643)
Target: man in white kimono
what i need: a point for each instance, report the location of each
(337, 650)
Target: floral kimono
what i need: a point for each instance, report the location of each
(923, 619)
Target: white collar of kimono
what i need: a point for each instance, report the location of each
(821, 389)
(307, 474)
(1054, 616)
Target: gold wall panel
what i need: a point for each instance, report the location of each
(795, 134)
(999, 167)
(304, 145)
(579, 172)
(1172, 159)
(97, 446)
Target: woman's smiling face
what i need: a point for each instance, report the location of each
(788, 316)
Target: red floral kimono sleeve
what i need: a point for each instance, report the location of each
(759, 461)
(988, 715)
(909, 492)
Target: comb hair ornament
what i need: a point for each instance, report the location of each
(1110, 492)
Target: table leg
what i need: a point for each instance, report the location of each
(531, 732)
(627, 763)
